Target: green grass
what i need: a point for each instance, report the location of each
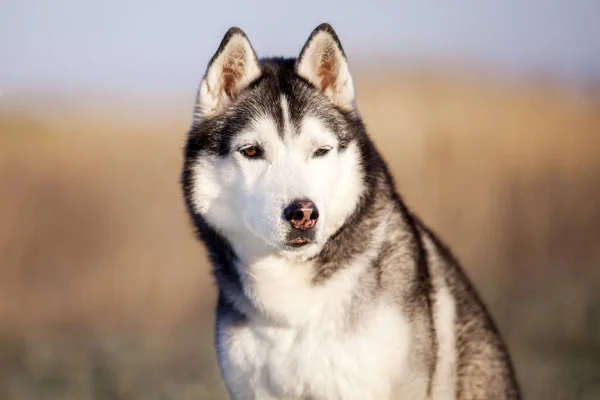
(115, 366)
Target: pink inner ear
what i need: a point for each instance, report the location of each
(231, 72)
(230, 77)
(328, 69)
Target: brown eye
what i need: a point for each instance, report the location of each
(321, 152)
(251, 152)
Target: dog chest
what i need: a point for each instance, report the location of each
(317, 361)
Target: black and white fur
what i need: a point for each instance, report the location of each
(363, 302)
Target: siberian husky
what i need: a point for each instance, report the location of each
(329, 287)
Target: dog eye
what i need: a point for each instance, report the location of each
(321, 152)
(251, 152)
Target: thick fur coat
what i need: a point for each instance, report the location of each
(329, 287)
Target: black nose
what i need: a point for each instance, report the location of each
(302, 214)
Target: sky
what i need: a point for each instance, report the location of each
(146, 45)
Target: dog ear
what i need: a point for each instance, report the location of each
(232, 69)
(322, 62)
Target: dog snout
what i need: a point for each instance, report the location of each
(302, 214)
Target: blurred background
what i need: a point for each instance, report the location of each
(488, 113)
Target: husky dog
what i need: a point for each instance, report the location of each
(329, 287)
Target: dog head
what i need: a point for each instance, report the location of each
(275, 158)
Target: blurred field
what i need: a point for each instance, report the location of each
(104, 293)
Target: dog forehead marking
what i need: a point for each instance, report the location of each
(285, 113)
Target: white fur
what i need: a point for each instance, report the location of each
(316, 358)
(444, 379)
(444, 306)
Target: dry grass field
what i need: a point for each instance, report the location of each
(104, 293)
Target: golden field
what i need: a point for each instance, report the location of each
(105, 293)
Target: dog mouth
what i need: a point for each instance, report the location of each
(296, 240)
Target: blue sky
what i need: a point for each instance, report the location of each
(151, 45)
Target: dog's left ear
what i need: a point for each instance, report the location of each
(322, 62)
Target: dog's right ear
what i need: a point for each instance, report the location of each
(323, 63)
(233, 68)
